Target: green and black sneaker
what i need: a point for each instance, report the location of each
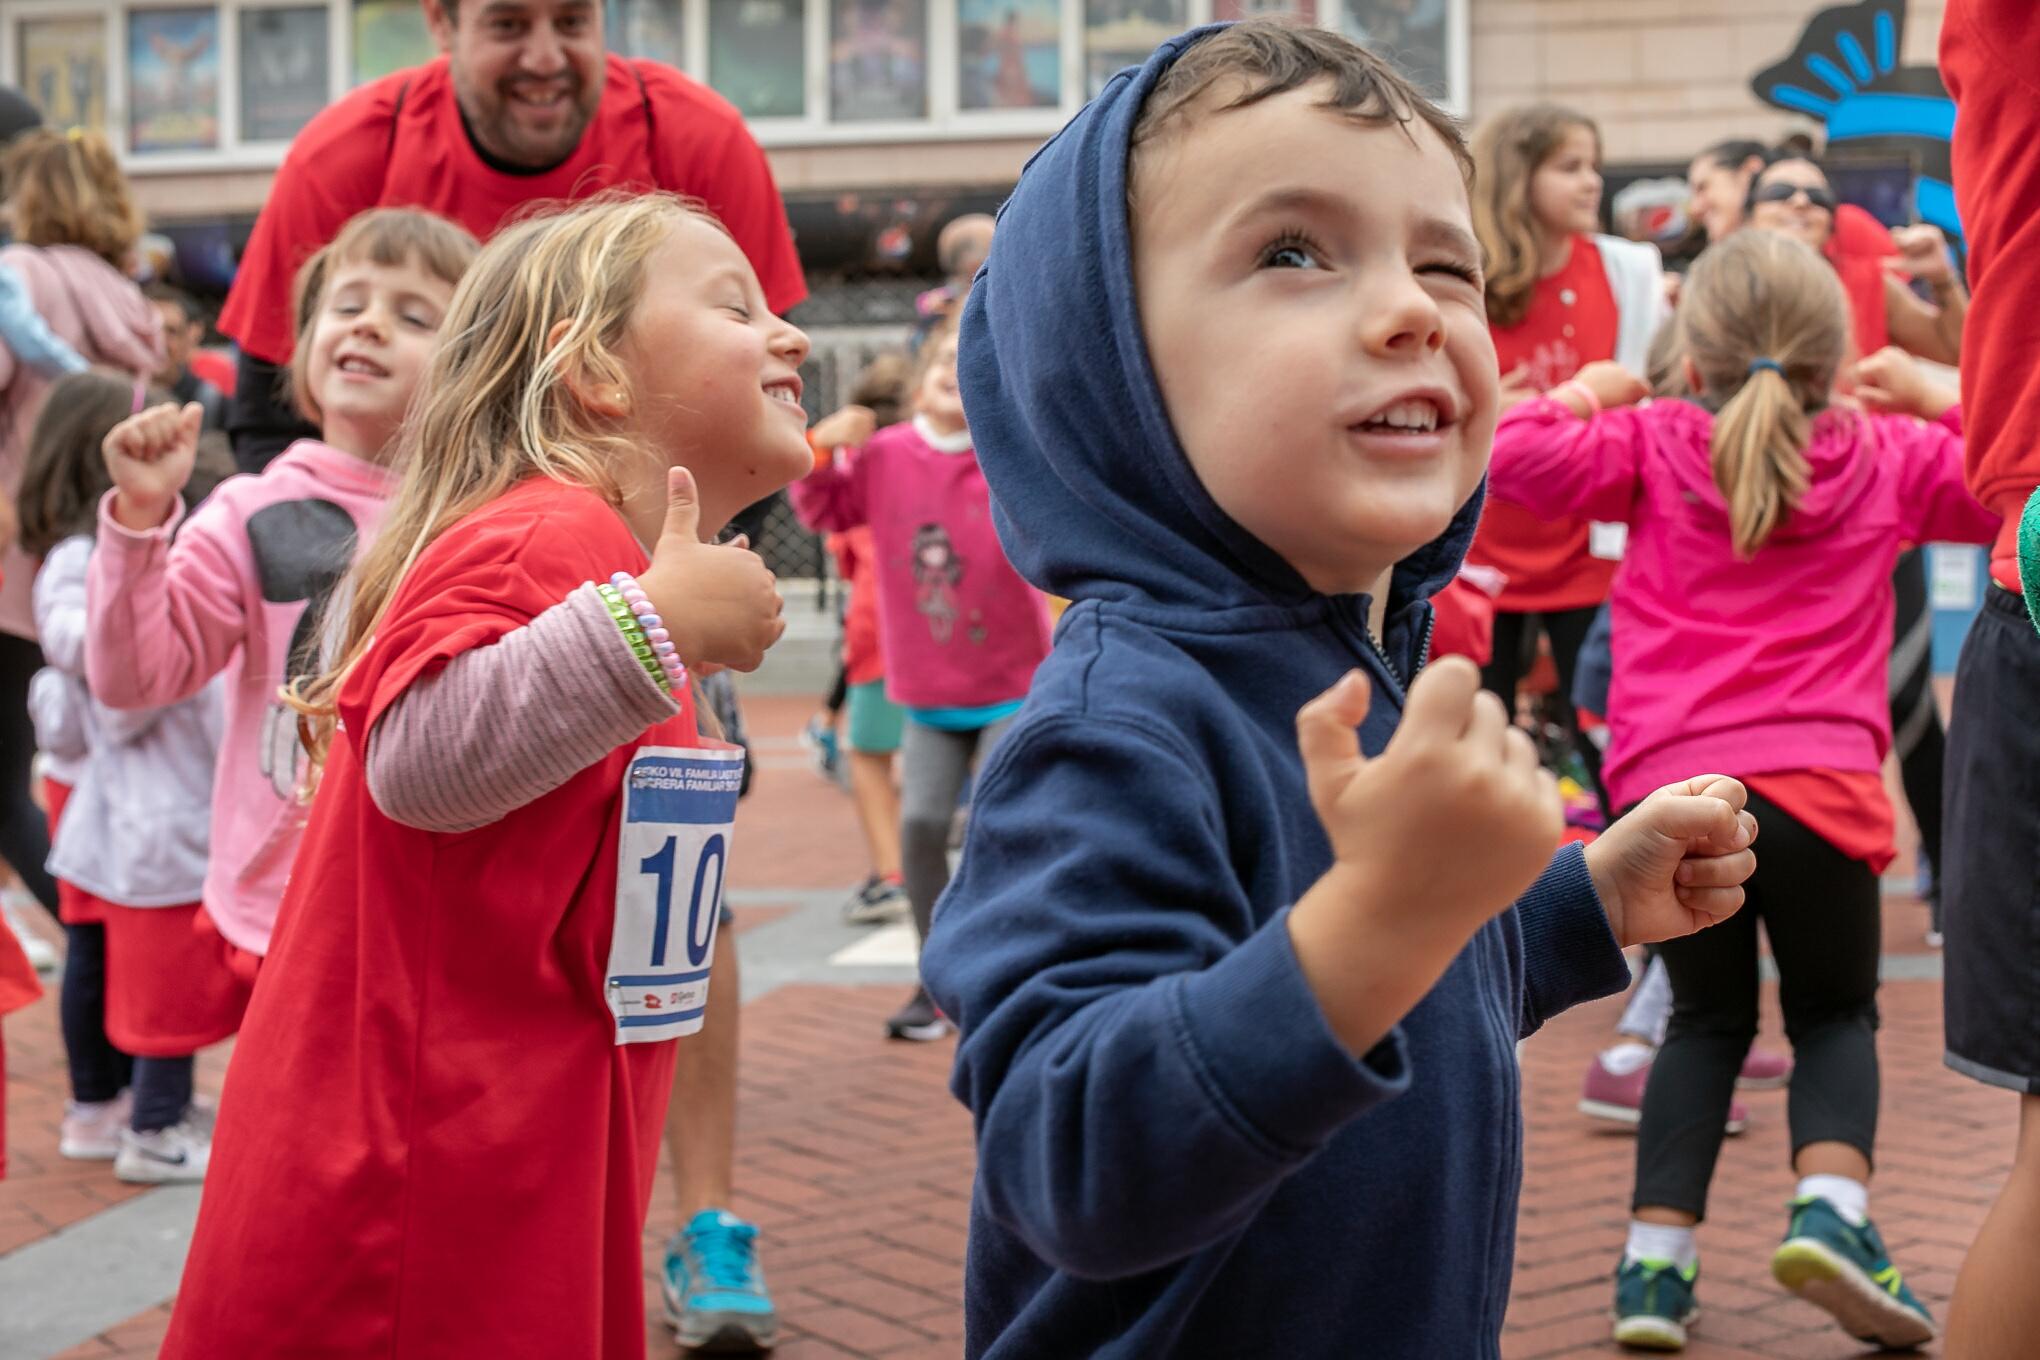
(1654, 1304)
(1835, 1265)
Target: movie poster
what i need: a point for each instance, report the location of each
(757, 56)
(173, 80)
(878, 60)
(389, 35)
(63, 70)
(1410, 33)
(283, 71)
(651, 29)
(1121, 33)
(1009, 54)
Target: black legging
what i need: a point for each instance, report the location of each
(24, 832)
(1819, 909)
(1516, 651)
(1916, 732)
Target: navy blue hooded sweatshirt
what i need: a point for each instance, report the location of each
(1177, 1157)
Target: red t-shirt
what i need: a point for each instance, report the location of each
(430, 1143)
(1987, 51)
(399, 142)
(1572, 321)
(1849, 809)
(1858, 250)
(857, 560)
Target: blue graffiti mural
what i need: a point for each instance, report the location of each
(1846, 73)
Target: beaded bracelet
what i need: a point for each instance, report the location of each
(671, 672)
(633, 635)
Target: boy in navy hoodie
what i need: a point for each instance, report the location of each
(1244, 1076)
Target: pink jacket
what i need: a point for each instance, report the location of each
(231, 594)
(1743, 667)
(101, 314)
(958, 626)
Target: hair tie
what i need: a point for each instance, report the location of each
(1758, 365)
(76, 134)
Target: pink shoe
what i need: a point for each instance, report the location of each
(1619, 1099)
(91, 1133)
(1763, 1071)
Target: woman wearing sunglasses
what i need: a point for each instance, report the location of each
(1794, 197)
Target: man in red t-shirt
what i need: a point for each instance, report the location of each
(526, 104)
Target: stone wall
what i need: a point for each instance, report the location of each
(1663, 77)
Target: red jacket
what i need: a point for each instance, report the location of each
(1990, 51)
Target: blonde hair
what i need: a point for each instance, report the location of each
(1506, 153)
(66, 189)
(493, 408)
(1752, 301)
(390, 237)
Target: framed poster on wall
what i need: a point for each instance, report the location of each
(389, 35)
(283, 71)
(1008, 54)
(646, 28)
(878, 60)
(1121, 33)
(757, 56)
(63, 69)
(1417, 35)
(173, 80)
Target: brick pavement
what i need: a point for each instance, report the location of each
(856, 1163)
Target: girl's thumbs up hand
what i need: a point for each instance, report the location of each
(719, 602)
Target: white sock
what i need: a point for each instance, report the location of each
(1626, 1057)
(1660, 1242)
(1851, 1198)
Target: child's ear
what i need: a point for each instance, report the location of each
(1692, 372)
(610, 400)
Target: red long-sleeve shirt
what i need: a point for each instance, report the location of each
(1990, 60)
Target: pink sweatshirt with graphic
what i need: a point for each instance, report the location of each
(959, 628)
(240, 590)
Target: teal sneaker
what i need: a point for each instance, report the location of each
(1654, 1304)
(1844, 1269)
(714, 1290)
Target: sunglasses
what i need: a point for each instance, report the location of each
(1821, 198)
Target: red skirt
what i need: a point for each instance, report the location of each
(74, 907)
(171, 984)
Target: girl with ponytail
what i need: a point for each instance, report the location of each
(1752, 619)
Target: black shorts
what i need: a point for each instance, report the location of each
(1990, 885)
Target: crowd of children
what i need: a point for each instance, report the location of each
(1257, 899)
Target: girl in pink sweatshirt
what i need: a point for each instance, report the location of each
(1751, 625)
(241, 590)
(962, 633)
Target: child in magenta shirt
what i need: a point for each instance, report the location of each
(1751, 622)
(962, 632)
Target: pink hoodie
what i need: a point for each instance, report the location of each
(958, 626)
(102, 314)
(1743, 667)
(231, 594)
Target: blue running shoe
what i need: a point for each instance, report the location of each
(714, 1290)
(1835, 1265)
(1654, 1304)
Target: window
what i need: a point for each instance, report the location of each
(389, 35)
(645, 28)
(878, 60)
(62, 68)
(1009, 54)
(757, 56)
(1121, 33)
(1414, 34)
(284, 71)
(173, 80)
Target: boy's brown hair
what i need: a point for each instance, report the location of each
(1272, 55)
(66, 189)
(384, 236)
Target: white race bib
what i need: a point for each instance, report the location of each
(1607, 539)
(673, 854)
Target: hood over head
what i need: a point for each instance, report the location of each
(1092, 493)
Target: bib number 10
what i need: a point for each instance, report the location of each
(672, 856)
(704, 899)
